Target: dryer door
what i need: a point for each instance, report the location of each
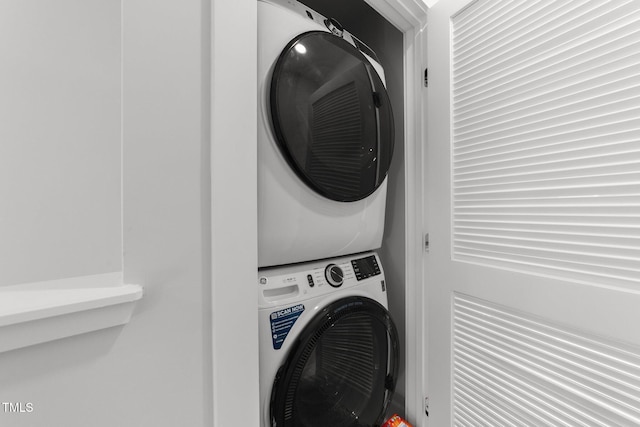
(331, 116)
(342, 369)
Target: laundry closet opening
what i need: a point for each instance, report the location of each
(386, 41)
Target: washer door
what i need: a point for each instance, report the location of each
(342, 369)
(331, 116)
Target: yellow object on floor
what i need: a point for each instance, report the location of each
(396, 421)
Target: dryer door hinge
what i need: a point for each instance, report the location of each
(426, 242)
(426, 77)
(426, 406)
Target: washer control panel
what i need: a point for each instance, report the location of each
(281, 284)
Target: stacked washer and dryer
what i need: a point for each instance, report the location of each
(328, 346)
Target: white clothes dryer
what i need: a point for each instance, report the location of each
(328, 346)
(325, 138)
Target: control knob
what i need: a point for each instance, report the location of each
(334, 275)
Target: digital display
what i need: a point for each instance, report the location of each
(365, 267)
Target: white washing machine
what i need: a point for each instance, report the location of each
(325, 138)
(328, 346)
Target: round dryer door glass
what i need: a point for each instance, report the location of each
(341, 370)
(332, 117)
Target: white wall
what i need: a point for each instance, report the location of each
(59, 139)
(60, 191)
(166, 238)
(234, 212)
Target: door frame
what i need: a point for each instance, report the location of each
(232, 107)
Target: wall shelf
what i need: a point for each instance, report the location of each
(34, 313)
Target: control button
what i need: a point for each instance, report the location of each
(334, 26)
(310, 280)
(334, 275)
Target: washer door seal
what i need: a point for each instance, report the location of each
(331, 116)
(342, 369)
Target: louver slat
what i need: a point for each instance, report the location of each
(526, 371)
(546, 139)
(334, 161)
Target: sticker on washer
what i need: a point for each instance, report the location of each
(281, 323)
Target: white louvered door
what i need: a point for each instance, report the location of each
(533, 190)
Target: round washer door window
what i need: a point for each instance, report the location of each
(342, 369)
(331, 116)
